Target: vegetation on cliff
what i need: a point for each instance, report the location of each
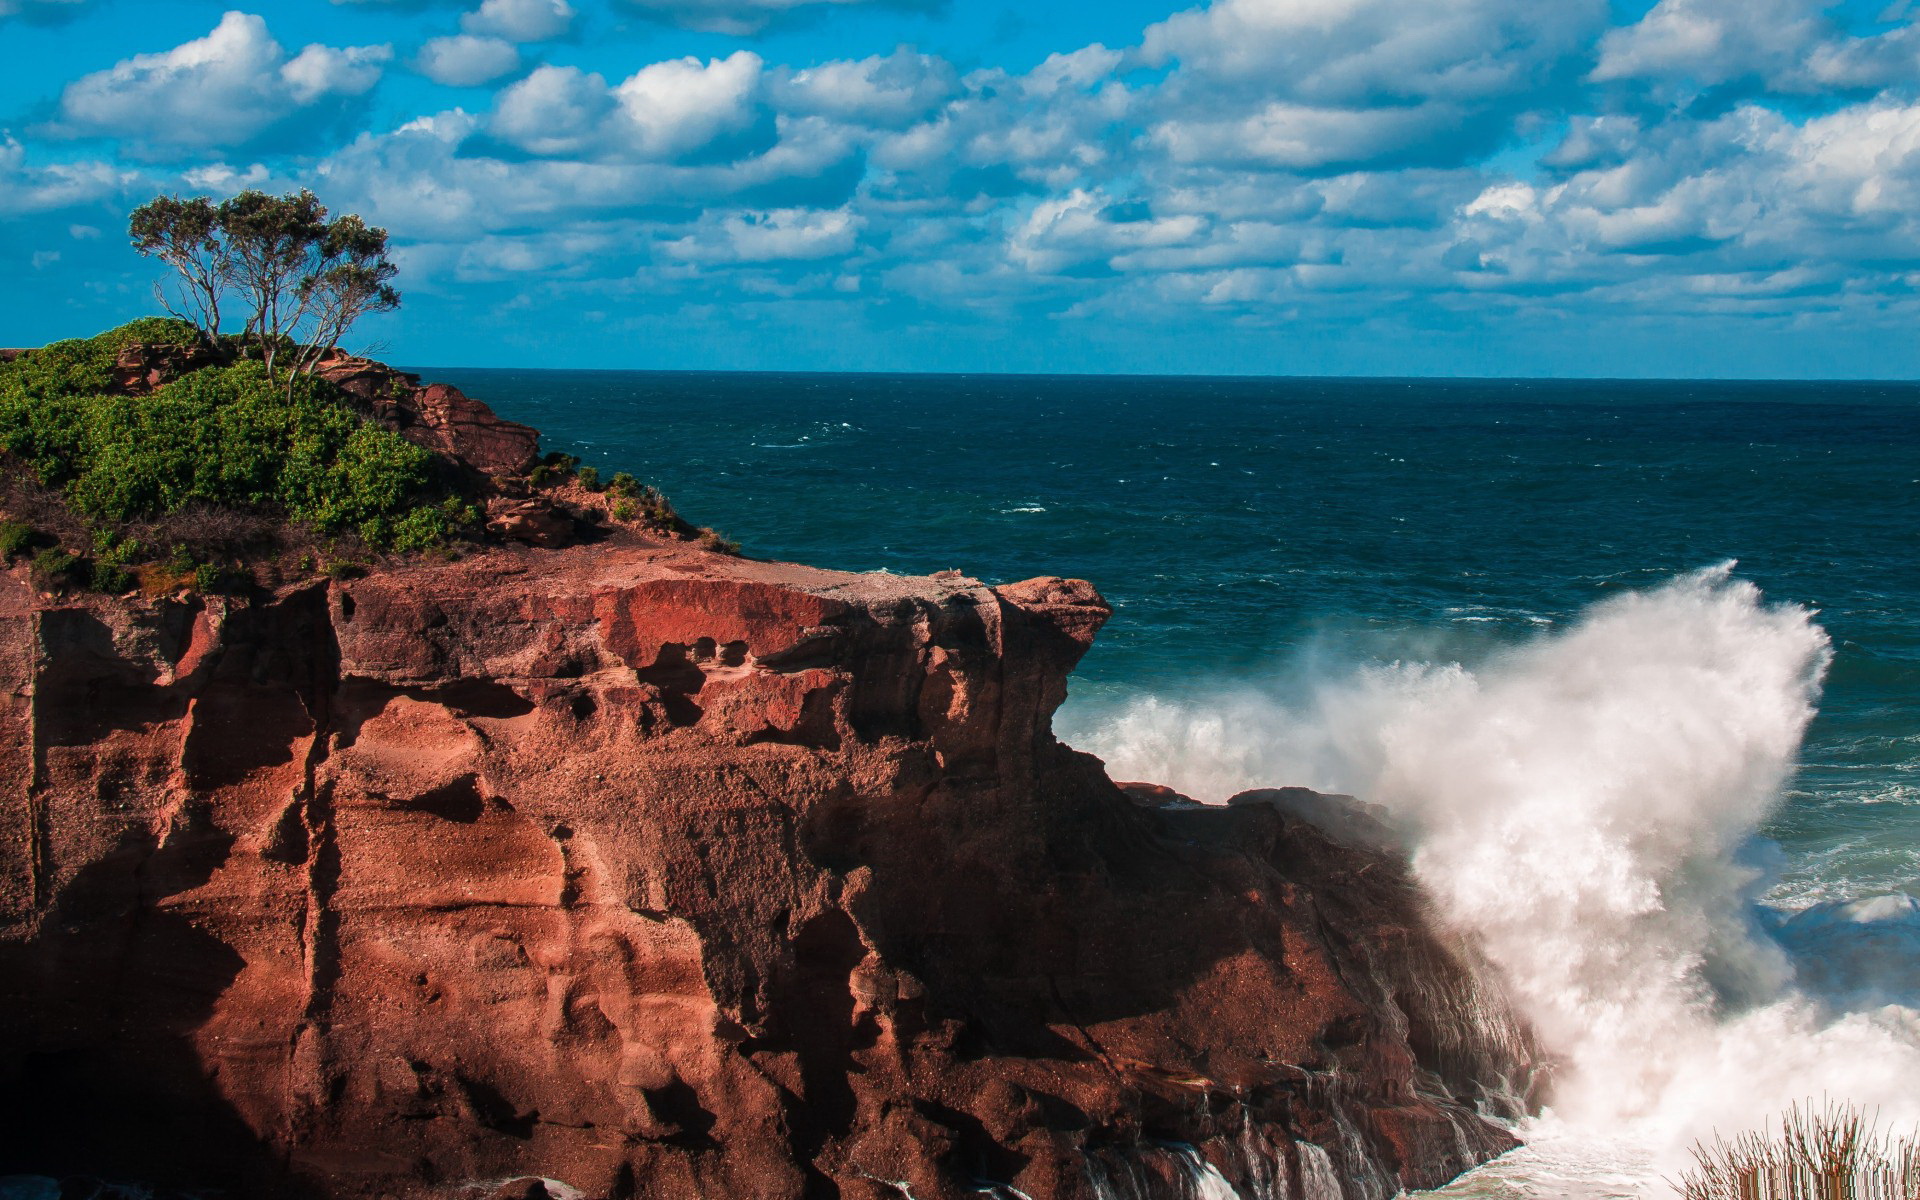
(158, 479)
(168, 452)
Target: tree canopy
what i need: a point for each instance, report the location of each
(304, 276)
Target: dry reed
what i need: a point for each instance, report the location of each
(1831, 1152)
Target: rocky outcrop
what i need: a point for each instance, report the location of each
(634, 871)
(437, 416)
(141, 367)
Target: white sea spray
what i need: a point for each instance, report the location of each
(1586, 808)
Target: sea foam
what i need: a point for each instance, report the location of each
(1586, 808)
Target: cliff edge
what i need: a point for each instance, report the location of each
(628, 869)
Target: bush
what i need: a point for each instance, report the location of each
(216, 579)
(54, 565)
(719, 543)
(623, 484)
(228, 437)
(111, 579)
(15, 536)
(625, 510)
(81, 366)
(589, 478)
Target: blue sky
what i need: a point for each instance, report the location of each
(1401, 187)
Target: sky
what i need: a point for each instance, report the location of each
(1612, 188)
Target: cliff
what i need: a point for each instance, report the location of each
(650, 872)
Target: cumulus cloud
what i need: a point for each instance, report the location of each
(669, 110)
(1331, 84)
(1347, 52)
(743, 17)
(27, 189)
(465, 60)
(781, 235)
(520, 20)
(1084, 228)
(1790, 46)
(1248, 159)
(234, 88)
(894, 92)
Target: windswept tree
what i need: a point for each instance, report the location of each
(304, 278)
(273, 242)
(187, 236)
(353, 277)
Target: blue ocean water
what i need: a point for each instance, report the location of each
(1237, 523)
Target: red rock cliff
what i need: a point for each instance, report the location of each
(645, 872)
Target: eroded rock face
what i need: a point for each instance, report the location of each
(437, 416)
(659, 874)
(140, 368)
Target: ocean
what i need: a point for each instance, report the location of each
(1637, 665)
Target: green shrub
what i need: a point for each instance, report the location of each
(623, 484)
(589, 478)
(625, 510)
(540, 476)
(719, 543)
(227, 436)
(54, 565)
(81, 366)
(215, 579)
(111, 579)
(15, 536)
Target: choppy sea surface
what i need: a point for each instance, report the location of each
(1637, 663)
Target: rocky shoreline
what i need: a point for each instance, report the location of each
(628, 869)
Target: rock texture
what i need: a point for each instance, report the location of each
(437, 416)
(141, 367)
(632, 871)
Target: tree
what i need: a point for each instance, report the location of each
(305, 279)
(354, 277)
(187, 236)
(273, 241)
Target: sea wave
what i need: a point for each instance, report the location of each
(1586, 807)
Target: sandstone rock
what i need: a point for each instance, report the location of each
(465, 429)
(533, 522)
(140, 368)
(634, 871)
(439, 417)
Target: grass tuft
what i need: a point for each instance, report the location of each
(1831, 1152)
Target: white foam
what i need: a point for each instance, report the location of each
(1585, 807)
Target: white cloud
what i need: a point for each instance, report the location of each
(669, 110)
(465, 60)
(233, 87)
(1305, 138)
(891, 92)
(26, 190)
(431, 179)
(780, 235)
(1085, 227)
(520, 20)
(1789, 45)
(1347, 52)
(1314, 85)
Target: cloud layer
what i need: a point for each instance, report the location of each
(1242, 165)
